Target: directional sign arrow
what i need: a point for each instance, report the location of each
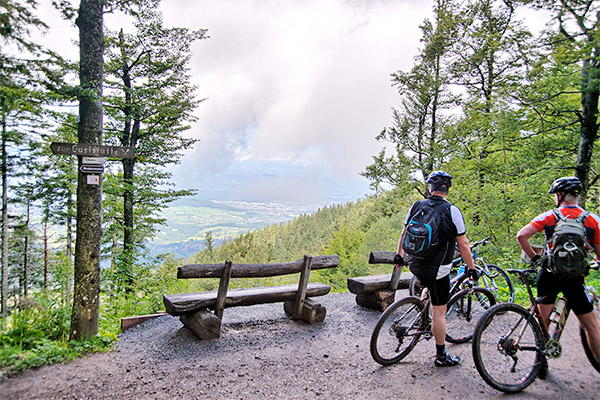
(91, 169)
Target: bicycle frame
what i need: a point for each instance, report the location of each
(551, 342)
(479, 262)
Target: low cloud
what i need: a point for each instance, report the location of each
(296, 80)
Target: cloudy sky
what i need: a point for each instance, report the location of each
(296, 92)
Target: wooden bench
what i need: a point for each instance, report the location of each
(378, 291)
(192, 308)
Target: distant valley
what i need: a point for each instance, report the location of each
(190, 219)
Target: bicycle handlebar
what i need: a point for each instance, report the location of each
(482, 242)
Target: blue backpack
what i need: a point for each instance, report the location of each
(423, 236)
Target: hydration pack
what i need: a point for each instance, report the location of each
(568, 258)
(422, 238)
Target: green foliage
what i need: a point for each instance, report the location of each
(37, 333)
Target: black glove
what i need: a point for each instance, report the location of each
(398, 260)
(535, 259)
(473, 274)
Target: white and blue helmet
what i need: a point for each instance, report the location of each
(439, 181)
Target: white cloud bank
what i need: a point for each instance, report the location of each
(295, 81)
(300, 87)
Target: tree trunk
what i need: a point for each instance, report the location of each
(128, 237)
(86, 296)
(45, 255)
(69, 250)
(129, 138)
(588, 132)
(26, 256)
(25, 267)
(4, 167)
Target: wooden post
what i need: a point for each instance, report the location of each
(302, 284)
(312, 312)
(203, 324)
(379, 300)
(395, 278)
(222, 293)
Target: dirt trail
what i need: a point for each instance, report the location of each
(264, 355)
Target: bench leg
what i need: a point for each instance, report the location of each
(311, 312)
(203, 324)
(379, 300)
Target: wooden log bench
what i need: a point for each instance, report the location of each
(378, 291)
(192, 308)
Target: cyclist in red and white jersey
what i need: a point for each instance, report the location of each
(566, 195)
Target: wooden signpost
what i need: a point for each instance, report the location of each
(92, 150)
(93, 156)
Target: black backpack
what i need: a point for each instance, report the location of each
(568, 258)
(423, 237)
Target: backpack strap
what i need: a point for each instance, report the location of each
(559, 215)
(583, 216)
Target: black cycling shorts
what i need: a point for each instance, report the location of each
(573, 289)
(439, 290)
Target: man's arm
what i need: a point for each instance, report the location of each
(523, 238)
(597, 251)
(400, 249)
(465, 250)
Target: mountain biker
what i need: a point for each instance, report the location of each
(566, 192)
(452, 227)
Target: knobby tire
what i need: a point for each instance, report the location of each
(501, 287)
(495, 348)
(398, 330)
(463, 312)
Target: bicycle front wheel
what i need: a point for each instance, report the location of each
(398, 331)
(507, 348)
(497, 281)
(464, 310)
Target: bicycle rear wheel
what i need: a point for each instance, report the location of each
(507, 348)
(464, 311)
(398, 331)
(414, 289)
(497, 281)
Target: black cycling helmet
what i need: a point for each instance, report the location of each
(439, 181)
(567, 184)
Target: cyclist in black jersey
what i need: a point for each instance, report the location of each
(453, 232)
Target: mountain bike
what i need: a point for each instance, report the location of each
(511, 343)
(491, 276)
(408, 320)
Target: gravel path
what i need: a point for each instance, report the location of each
(264, 355)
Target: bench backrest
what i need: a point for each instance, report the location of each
(228, 270)
(254, 270)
